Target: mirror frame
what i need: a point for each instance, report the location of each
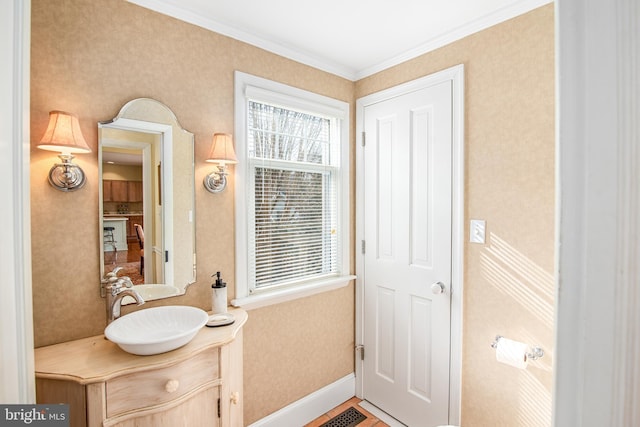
(166, 131)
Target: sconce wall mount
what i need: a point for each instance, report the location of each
(67, 176)
(216, 181)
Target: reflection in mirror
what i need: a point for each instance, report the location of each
(147, 218)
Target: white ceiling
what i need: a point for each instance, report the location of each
(350, 38)
(125, 159)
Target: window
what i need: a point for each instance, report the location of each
(291, 192)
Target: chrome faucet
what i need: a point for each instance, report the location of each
(116, 289)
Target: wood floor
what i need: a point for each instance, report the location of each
(129, 260)
(132, 255)
(369, 422)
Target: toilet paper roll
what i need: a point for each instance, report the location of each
(512, 353)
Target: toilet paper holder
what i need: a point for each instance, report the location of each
(534, 353)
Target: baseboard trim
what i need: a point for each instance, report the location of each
(311, 406)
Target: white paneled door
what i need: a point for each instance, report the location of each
(407, 255)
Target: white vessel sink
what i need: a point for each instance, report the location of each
(151, 292)
(156, 330)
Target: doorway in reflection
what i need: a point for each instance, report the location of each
(127, 185)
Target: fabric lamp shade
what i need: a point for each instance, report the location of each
(222, 151)
(63, 134)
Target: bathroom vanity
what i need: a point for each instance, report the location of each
(199, 384)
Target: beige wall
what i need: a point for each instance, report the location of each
(91, 57)
(509, 182)
(122, 172)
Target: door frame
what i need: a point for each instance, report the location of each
(456, 76)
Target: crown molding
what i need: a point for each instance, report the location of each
(456, 34)
(247, 37)
(333, 67)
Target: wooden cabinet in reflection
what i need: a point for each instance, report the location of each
(134, 189)
(121, 191)
(131, 227)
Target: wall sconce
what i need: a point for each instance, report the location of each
(63, 135)
(222, 153)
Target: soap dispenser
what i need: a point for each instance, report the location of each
(220, 317)
(219, 296)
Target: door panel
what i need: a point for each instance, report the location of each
(407, 225)
(419, 348)
(385, 336)
(421, 215)
(386, 132)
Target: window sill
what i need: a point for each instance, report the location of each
(282, 295)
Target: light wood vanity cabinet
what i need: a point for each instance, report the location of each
(198, 385)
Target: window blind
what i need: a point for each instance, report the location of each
(293, 218)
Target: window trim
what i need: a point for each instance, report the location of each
(260, 89)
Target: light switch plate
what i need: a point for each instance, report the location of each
(477, 231)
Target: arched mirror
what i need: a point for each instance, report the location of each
(147, 212)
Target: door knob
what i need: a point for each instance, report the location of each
(437, 288)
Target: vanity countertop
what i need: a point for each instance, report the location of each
(97, 359)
